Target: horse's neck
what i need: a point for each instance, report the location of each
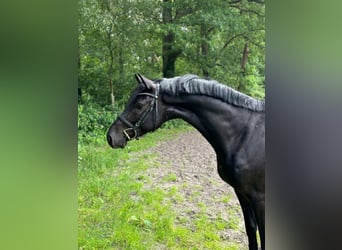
(218, 122)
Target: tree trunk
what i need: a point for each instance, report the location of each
(79, 89)
(170, 55)
(244, 57)
(204, 51)
(112, 97)
(244, 61)
(169, 52)
(110, 67)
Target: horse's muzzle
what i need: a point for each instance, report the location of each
(116, 144)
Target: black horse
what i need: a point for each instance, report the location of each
(232, 122)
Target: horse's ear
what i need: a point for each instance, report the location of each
(149, 84)
(137, 77)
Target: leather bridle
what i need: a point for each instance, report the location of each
(136, 127)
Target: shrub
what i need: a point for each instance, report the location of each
(93, 121)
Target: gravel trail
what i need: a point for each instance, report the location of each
(188, 163)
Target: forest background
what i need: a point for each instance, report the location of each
(217, 39)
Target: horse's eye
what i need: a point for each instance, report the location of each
(138, 106)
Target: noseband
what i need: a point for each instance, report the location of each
(136, 127)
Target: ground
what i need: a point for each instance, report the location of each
(161, 192)
(188, 163)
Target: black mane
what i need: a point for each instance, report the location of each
(193, 85)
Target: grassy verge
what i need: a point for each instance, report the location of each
(116, 212)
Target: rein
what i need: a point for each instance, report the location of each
(136, 127)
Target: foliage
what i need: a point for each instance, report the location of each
(120, 38)
(93, 121)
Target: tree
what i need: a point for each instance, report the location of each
(168, 38)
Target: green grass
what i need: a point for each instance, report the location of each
(116, 212)
(170, 177)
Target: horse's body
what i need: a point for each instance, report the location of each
(233, 123)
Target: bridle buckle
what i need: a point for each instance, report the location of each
(125, 132)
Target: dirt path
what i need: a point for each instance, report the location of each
(188, 163)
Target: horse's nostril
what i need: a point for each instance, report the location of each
(109, 139)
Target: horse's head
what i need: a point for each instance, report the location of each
(141, 115)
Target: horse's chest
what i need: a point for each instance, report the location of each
(233, 169)
(227, 173)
